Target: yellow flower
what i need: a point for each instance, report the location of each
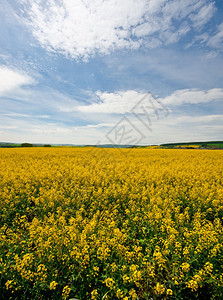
(96, 268)
(94, 294)
(109, 282)
(53, 285)
(208, 268)
(133, 294)
(8, 284)
(159, 289)
(169, 292)
(126, 278)
(119, 294)
(185, 267)
(193, 285)
(65, 292)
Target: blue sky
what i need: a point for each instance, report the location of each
(102, 71)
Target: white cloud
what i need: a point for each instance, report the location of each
(122, 102)
(193, 96)
(11, 80)
(80, 29)
(103, 115)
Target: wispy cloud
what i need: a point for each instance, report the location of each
(19, 115)
(216, 40)
(80, 29)
(203, 16)
(213, 40)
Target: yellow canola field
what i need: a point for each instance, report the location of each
(90, 223)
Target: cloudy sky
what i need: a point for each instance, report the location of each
(111, 71)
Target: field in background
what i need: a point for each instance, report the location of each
(95, 223)
(194, 145)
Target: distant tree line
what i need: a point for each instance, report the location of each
(26, 145)
(31, 145)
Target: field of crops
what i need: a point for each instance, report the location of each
(92, 223)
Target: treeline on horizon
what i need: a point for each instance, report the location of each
(192, 143)
(9, 145)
